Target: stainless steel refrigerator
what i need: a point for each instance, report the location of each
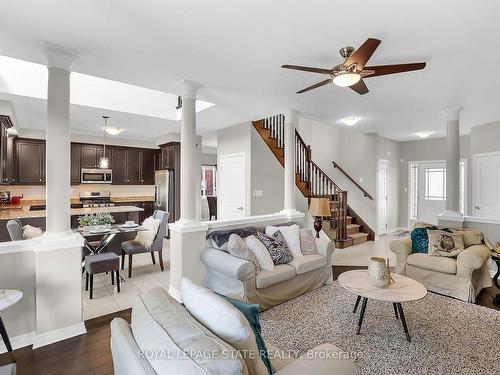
(165, 192)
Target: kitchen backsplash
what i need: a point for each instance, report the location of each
(38, 192)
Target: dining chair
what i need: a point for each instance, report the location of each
(212, 207)
(15, 229)
(135, 247)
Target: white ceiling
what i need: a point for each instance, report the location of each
(235, 50)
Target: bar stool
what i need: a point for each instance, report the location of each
(100, 263)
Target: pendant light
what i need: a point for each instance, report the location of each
(104, 160)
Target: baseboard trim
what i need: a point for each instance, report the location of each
(58, 335)
(176, 294)
(18, 342)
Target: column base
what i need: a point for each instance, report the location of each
(51, 241)
(187, 225)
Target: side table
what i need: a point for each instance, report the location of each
(8, 297)
(496, 258)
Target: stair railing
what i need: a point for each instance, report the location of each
(276, 126)
(365, 193)
(302, 158)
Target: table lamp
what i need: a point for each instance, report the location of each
(319, 208)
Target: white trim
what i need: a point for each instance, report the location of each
(58, 335)
(386, 161)
(188, 226)
(485, 220)
(18, 342)
(216, 224)
(174, 293)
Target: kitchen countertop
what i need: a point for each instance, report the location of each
(22, 210)
(133, 199)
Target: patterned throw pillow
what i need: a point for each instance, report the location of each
(420, 239)
(307, 242)
(277, 247)
(445, 244)
(238, 248)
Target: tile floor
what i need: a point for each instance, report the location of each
(145, 275)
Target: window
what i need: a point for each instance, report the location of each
(435, 184)
(413, 190)
(208, 178)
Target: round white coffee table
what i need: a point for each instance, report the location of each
(8, 297)
(403, 289)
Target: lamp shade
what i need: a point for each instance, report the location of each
(319, 207)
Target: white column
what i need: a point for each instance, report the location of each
(289, 185)
(58, 143)
(189, 155)
(452, 160)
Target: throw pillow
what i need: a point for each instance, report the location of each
(420, 239)
(251, 312)
(472, 237)
(146, 237)
(239, 249)
(307, 242)
(260, 252)
(225, 321)
(291, 235)
(277, 247)
(442, 243)
(31, 232)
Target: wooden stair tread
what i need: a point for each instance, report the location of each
(351, 226)
(358, 235)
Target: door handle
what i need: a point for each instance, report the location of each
(477, 208)
(240, 208)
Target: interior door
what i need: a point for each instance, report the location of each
(487, 186)
(382, 195)
(232, 187)
(431, 191)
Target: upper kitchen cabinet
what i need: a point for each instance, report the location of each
(132, 166)
(90, 155)
(76, 157)
(6, 151)
(169, 152)
(29, 161)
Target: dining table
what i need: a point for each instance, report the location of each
(97, 239)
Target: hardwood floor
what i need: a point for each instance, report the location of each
(90, 354)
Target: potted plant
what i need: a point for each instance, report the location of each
(96, 221)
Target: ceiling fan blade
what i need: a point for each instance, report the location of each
(360, 87)
(319, 84)
(363, 53)
(392, 69)
(308, 69)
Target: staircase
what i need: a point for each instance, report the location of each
(345, 227)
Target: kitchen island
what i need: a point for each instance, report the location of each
(36, 218)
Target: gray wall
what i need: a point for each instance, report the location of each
(208, 159)
(485, 138)
(354, 152)
(427, 150)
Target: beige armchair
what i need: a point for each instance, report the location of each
(462, 277)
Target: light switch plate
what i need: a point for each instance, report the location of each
(258, 193)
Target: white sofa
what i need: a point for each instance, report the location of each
(237, 278)
(164, 338)
(462, 277)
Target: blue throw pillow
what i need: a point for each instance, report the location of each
(420, 239)
(251, 312)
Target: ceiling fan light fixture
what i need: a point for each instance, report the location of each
(350, 121)
(344, 79)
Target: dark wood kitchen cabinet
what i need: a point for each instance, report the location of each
(76, 157)
(167, 155)
(6, 151)
(29, 161)
(133, 166)
(90, 155)
(148, 167)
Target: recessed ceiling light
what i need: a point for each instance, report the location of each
(113, 131)
(350, 121)
(423, 134)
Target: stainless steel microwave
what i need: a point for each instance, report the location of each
(96, 176)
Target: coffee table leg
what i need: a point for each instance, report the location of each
(362, 314)
(395, 310)
(403, 320)
(5, 336)
(356, 304)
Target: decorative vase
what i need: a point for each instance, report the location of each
(378, 273)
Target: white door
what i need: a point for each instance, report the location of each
(382, 195)
(231, 190)
(431, 191)
(487, 186)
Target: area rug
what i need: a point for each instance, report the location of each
(448, 336)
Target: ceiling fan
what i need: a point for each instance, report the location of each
(352, 71)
